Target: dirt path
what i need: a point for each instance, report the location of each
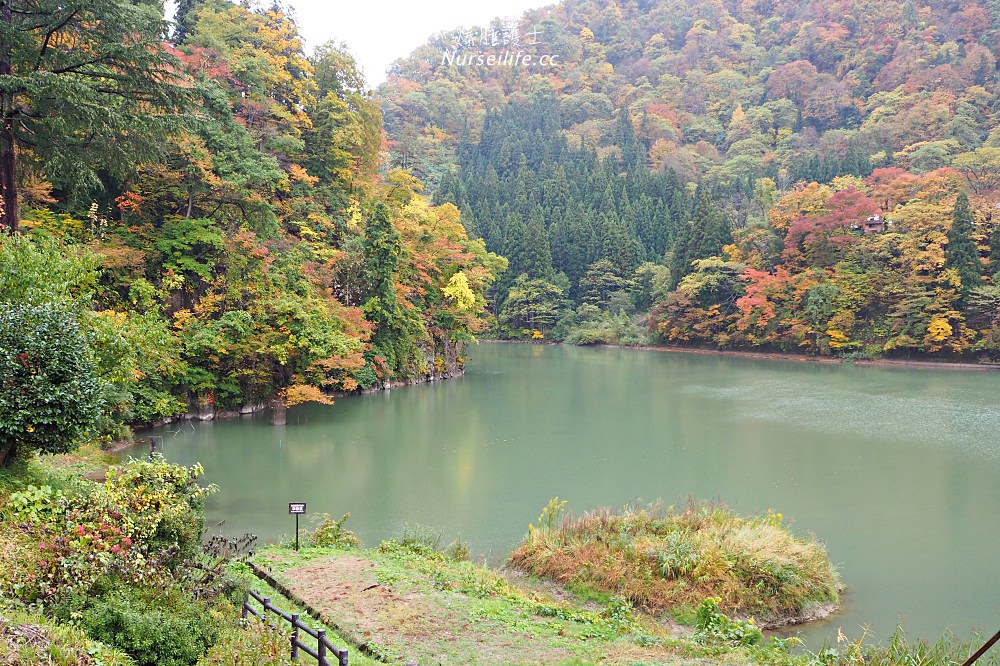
(408, 620)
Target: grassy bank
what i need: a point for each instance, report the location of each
(405, 602)
(670, 561)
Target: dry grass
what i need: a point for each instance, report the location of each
(672, 560)
(15, 552)
(30, 641)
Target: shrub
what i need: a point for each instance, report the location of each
(255, 644)
(50, 394)
(162, 503)
(147, 519)
(35, 503)
(155, 628)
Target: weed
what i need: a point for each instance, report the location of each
(35, 504)
(458, 551)
(899, 650)
(550, 514)
(713, 626)
(332, 533)
(420, 538)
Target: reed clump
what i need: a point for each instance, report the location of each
(669, 561)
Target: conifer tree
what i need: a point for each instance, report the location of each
(183, 19)
(537, 254)
(703, 237)
(83, 83)
(961, 252)
(995, 250)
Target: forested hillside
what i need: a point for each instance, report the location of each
(718, 163)
(208, 211)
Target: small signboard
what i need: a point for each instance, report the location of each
(296, 508)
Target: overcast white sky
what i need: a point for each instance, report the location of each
(379, 31)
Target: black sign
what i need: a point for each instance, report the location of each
(296, 507)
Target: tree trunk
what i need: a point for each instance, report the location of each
(7, 453)
(8, 183)
(8, 172)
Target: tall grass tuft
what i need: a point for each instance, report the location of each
(899, 650)
(672, 560)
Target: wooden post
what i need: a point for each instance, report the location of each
(246, 602)
(321, 646)
(343, 657)
(267, 604)
(295, 636)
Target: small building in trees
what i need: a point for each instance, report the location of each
(874, 224)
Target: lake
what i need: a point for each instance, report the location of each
(896, 469)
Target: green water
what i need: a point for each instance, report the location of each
(896, 470)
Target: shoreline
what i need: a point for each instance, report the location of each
(829, 360)
(781, 356)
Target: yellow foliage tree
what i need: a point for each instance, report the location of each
(458, 290)
(300, 393)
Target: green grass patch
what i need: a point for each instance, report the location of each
(411, 603)
(675, 559)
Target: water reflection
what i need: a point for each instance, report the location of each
(895, 469)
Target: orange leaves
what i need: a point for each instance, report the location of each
(300, 393)
(352, 361)
(892, 186)
(120, 258)
(128, 202)
(771, 311)
(298, 174)
(758, 307)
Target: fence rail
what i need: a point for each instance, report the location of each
(323, 645)
(981, 651)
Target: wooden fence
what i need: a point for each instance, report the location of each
(323, 645)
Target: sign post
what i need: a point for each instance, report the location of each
(296, 509)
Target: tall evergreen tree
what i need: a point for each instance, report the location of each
(394, 326)
(588, 208)
(961, 252)
(703, 237)
(995, 250)
(83, 84)
(537, 254)
(183, 19)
